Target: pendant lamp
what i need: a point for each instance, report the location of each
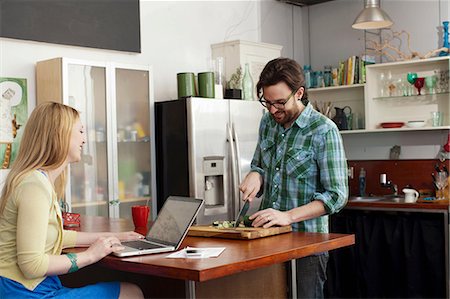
(372, 17)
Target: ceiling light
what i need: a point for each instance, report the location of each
(372, 17)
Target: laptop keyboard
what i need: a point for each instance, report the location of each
(141, 245)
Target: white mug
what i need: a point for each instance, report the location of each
(411, 195)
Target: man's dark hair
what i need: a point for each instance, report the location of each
(283, 70)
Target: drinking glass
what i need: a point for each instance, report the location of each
(419, 84)
(441, 183)
(430, 83)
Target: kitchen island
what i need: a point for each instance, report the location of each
(247, 268)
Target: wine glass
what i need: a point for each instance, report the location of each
(441, 183)
(419, 84)
(411, 77)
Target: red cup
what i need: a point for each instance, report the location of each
(140, 218)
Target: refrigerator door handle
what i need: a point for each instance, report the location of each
(234, 200)
(237, 174)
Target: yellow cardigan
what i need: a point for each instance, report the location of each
(30, 230)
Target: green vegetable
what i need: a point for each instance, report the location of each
(247, 221)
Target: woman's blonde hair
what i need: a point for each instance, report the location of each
(44, 145)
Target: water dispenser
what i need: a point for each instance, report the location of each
(213, 169)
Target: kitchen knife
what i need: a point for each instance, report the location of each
(242, 213)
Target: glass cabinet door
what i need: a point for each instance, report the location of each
(88, 183)
(133, 139)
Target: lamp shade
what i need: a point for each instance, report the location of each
(372, 17)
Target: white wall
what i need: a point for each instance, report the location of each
(286, 25)
(175, 36)
(332, 38)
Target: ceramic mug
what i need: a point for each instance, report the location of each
(411, 195)
(140, 218)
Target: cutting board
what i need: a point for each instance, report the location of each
(245, 233)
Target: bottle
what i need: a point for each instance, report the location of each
(362, 182)
(328, 80)
(247, 84)
(307, 73)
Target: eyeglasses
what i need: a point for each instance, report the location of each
(278, 104)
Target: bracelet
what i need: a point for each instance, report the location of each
(73, 259)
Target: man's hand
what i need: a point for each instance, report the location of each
(270, 217)
(251, 185)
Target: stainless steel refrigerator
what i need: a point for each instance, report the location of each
(204, 150)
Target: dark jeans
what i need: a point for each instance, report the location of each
(311, 275)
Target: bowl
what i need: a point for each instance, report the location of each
(392, 125)
(416, 123)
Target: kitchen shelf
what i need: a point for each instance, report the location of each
(133, 141)
(380, 108)
(334, 88)
(88, 204)
(402, 129)
(419, 98)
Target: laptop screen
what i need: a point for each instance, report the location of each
(174, 220)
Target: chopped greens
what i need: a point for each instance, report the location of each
(230, 224)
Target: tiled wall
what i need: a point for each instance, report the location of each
(416, 173)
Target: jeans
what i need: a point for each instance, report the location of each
(311, 275)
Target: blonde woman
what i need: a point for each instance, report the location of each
(31, 231)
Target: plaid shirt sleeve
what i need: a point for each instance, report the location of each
(333, 172)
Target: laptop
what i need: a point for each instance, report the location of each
(169, 229)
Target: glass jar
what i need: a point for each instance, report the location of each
(327, 79)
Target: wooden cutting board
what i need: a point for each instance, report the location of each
(245, 233)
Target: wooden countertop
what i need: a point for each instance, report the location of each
(441, 205)
(239, 255)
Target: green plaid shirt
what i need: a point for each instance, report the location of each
(300, 164)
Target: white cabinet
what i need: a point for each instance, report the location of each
(116, 105)
(389, 97)
(238, 52)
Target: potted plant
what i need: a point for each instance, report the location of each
(233, 90)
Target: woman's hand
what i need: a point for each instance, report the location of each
(270, 217)
(128, 236)
(102, 247)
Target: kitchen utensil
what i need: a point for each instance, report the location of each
(390, 125)
(242, 213)
(411, 195)
(341, 117)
